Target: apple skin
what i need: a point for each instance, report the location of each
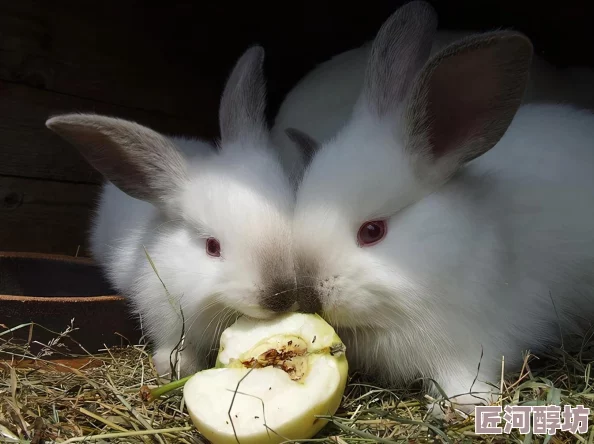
(303, 425)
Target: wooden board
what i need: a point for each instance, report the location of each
(45, 216)
(74, 365)
(29, 149)
(106, 51)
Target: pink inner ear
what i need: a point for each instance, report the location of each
(462, 92)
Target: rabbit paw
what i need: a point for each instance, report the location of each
(461, 406)
(187, 360)
(162, 361)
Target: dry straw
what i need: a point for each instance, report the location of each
(49, 400)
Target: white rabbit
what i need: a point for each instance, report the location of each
(324, 98)
(215, 223)
(429, 251)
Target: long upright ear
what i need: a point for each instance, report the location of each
(243, 103)
(398, 52)
(141, 162)
(465, 99)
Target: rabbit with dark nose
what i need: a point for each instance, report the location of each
(443, 226)
(214, 221)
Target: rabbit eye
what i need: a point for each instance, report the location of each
(213, 247)
(371, 233)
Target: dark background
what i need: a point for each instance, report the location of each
(165, 64)
(206, 37)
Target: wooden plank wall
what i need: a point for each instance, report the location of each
(164, 64)
(56, 57)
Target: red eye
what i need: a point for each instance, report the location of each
(213, 247)
(371, 233)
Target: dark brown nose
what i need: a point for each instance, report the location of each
(279, 297)
(285, 296)
(309, 300)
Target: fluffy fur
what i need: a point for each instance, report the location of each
(476, 267)
(173, 194)
(485, 257)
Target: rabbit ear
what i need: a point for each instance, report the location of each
(306, 144)
(243, 103)
(398, 52)
(466, 97)
(138, 160)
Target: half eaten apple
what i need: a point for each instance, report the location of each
(271, 380)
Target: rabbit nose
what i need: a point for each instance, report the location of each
(280, 297)
(283, 298)
(308, 300)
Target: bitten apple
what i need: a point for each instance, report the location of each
(271, 380)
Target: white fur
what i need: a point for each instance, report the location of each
(475, 265)
(239, 194)
(498, 260)
(241, 197)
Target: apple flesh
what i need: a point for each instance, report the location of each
(271, 380)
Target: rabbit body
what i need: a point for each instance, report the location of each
(192, 234)
(442, 226)
(497, 261)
